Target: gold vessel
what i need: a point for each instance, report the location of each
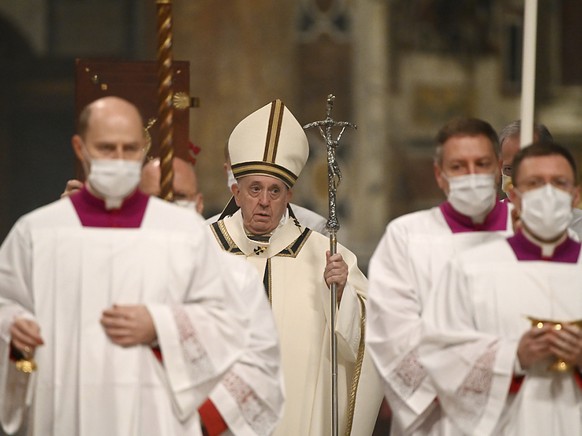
(27, 366)
(25, 360)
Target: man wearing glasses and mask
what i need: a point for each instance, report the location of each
(509, 143)
(502, 342)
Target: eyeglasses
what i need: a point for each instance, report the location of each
(534, 183)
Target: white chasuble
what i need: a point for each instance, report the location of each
(64, 275)
(474, 321)
(292, 263)
(403, 270)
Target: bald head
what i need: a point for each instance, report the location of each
(110, 108)
(185, 181)
(109, 128)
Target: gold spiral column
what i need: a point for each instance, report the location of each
(165, 94)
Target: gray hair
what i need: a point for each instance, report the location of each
(514, 129)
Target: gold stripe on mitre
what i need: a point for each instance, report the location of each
(264, 168)
(274, 131)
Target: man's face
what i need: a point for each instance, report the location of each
(185, 184)
(509, 149)
(114, 131)
(263, 201)
(536, 171)
(462, 155)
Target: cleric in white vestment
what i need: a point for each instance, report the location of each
(118, 297)
(410, 257)
(248, 401)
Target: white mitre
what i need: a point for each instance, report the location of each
(271, 142)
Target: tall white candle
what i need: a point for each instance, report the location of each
(528, 73)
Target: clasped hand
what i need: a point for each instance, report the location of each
(540, 343)
(124, 325)
(128, 325)
(25, 336)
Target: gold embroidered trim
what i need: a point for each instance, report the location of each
(258, 167)
(224, 238)
(357, 368)
(293, 249)
(269, 281)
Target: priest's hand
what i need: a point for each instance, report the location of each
(25, 335)
(71, 187)
(336, 271)
(566, 344)
(534, 346)
(129, 325)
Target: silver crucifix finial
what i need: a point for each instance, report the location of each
(334, 174)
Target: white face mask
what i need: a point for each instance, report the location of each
(472, 195)
(506, 184)
(546, 212)
(114, 179)
(230, 178)
(187, 204)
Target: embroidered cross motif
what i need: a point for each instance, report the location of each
(259, 250)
